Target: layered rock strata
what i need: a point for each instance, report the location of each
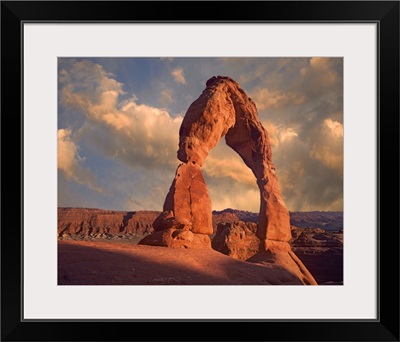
(81, 223)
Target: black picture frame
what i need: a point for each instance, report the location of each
(15, 13)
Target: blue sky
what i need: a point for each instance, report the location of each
(118, 123)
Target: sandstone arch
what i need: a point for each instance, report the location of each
(223, 109)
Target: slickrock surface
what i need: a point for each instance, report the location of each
(117, 263)
(177, 238)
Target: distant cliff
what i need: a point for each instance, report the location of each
(99, 223)
(327, 220)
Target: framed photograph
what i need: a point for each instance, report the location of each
(198, 163)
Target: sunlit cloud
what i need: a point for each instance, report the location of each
(235, 197)
(320, 73)
(266, 98)
(67, 154)
(329, 148)
(224, 162)
(320, 62)
(178, 75)
(335, 127)
(279, 134)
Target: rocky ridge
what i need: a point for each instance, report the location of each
(81, 223)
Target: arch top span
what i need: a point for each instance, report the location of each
(223, 109)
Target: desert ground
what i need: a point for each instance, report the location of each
(121, 263)
(100, 247)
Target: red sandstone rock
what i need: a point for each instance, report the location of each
(281, 255)
(111, 262)
(187, 207)
(236, 239)
(320, 251)
(177, 238)
(189, 201)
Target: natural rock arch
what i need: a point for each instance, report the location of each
(223, 109)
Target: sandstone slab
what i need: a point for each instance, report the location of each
(177, 238)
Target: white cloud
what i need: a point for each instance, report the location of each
(137, 134)
(178, 75)
(70, 163)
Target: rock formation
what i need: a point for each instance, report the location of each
(186, 220)
(80, 223)
(321, 251)
(237, 239)
(187, 204)
(223, 109)
(327, 220)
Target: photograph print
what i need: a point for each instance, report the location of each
(200, 171)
